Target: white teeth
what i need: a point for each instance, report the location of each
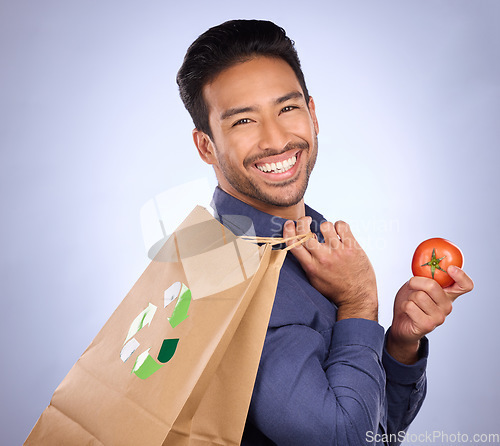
(279, 167)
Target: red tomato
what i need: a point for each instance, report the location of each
(433, 257)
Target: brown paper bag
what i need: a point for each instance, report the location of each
(176, 362)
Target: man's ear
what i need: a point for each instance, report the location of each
(205, 146)
(312, 111)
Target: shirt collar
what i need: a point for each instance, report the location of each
(243, 219)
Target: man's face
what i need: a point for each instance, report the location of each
(264, 142)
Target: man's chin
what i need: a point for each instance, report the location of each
(279, 197)
(280, 194)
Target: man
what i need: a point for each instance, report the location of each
(328, 375)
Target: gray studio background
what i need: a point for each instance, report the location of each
(92, 128)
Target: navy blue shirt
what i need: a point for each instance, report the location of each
(321, 382)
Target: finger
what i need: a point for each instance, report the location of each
(433, 290)
(330, 234)
(344, 232)
(463, 283)
(423, 301)
(304, 227)
(289, 230)
(299, 251)
(436, 313)
(422, 322)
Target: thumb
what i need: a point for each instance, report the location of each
(463, 283)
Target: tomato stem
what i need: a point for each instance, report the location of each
(434, 263)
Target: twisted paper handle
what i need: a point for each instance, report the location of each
(278, 240)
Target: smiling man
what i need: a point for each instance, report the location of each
(328, 374)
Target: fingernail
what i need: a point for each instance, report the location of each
(452, 269)
(288, 223)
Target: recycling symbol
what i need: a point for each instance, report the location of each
(145, 365)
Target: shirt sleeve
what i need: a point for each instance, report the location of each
(406, 389)
(306, 393)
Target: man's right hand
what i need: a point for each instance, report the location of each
(339, 268)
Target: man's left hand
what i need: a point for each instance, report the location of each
(420, 306)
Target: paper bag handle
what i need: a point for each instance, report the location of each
(279, 240)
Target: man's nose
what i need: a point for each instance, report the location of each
(273, 135)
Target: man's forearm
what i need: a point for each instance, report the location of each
(301, 397)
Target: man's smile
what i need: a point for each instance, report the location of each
(279, 167)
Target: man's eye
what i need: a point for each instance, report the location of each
(242, 121)
(288, 108)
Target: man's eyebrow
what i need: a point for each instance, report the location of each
(287, 97)
(235, 111)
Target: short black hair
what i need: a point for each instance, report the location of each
(223, 46)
